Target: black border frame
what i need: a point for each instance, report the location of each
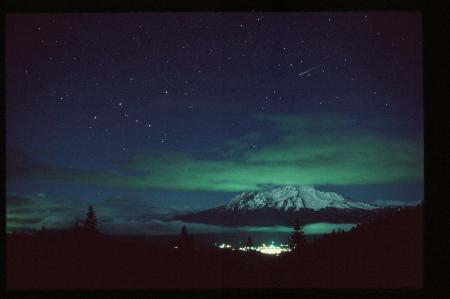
(436, 157)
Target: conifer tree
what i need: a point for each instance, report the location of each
(185, 241)
(90, 225)
(297, 238)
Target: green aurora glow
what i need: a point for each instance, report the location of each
(309, 151)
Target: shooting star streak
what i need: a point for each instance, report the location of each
(309, 70)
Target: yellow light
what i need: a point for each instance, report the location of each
(271, 250)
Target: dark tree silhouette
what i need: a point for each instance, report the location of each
(249, 242)
(185, 242)
(76, 226)
(297, 238)
(41, 232)
(90, 225)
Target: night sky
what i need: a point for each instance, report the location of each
(144, 115)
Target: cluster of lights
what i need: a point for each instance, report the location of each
(223, 245)
(271, 249)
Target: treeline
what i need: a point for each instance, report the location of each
(386, 252)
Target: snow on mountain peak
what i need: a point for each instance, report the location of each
(294, 197)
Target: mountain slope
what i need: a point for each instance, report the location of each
(295, 197)
(282, 205)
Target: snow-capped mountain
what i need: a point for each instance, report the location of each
(282, 205)
(295, 197)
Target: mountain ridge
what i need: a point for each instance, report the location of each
(295, 197)
(281, 205)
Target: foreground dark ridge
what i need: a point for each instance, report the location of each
(387, 252)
